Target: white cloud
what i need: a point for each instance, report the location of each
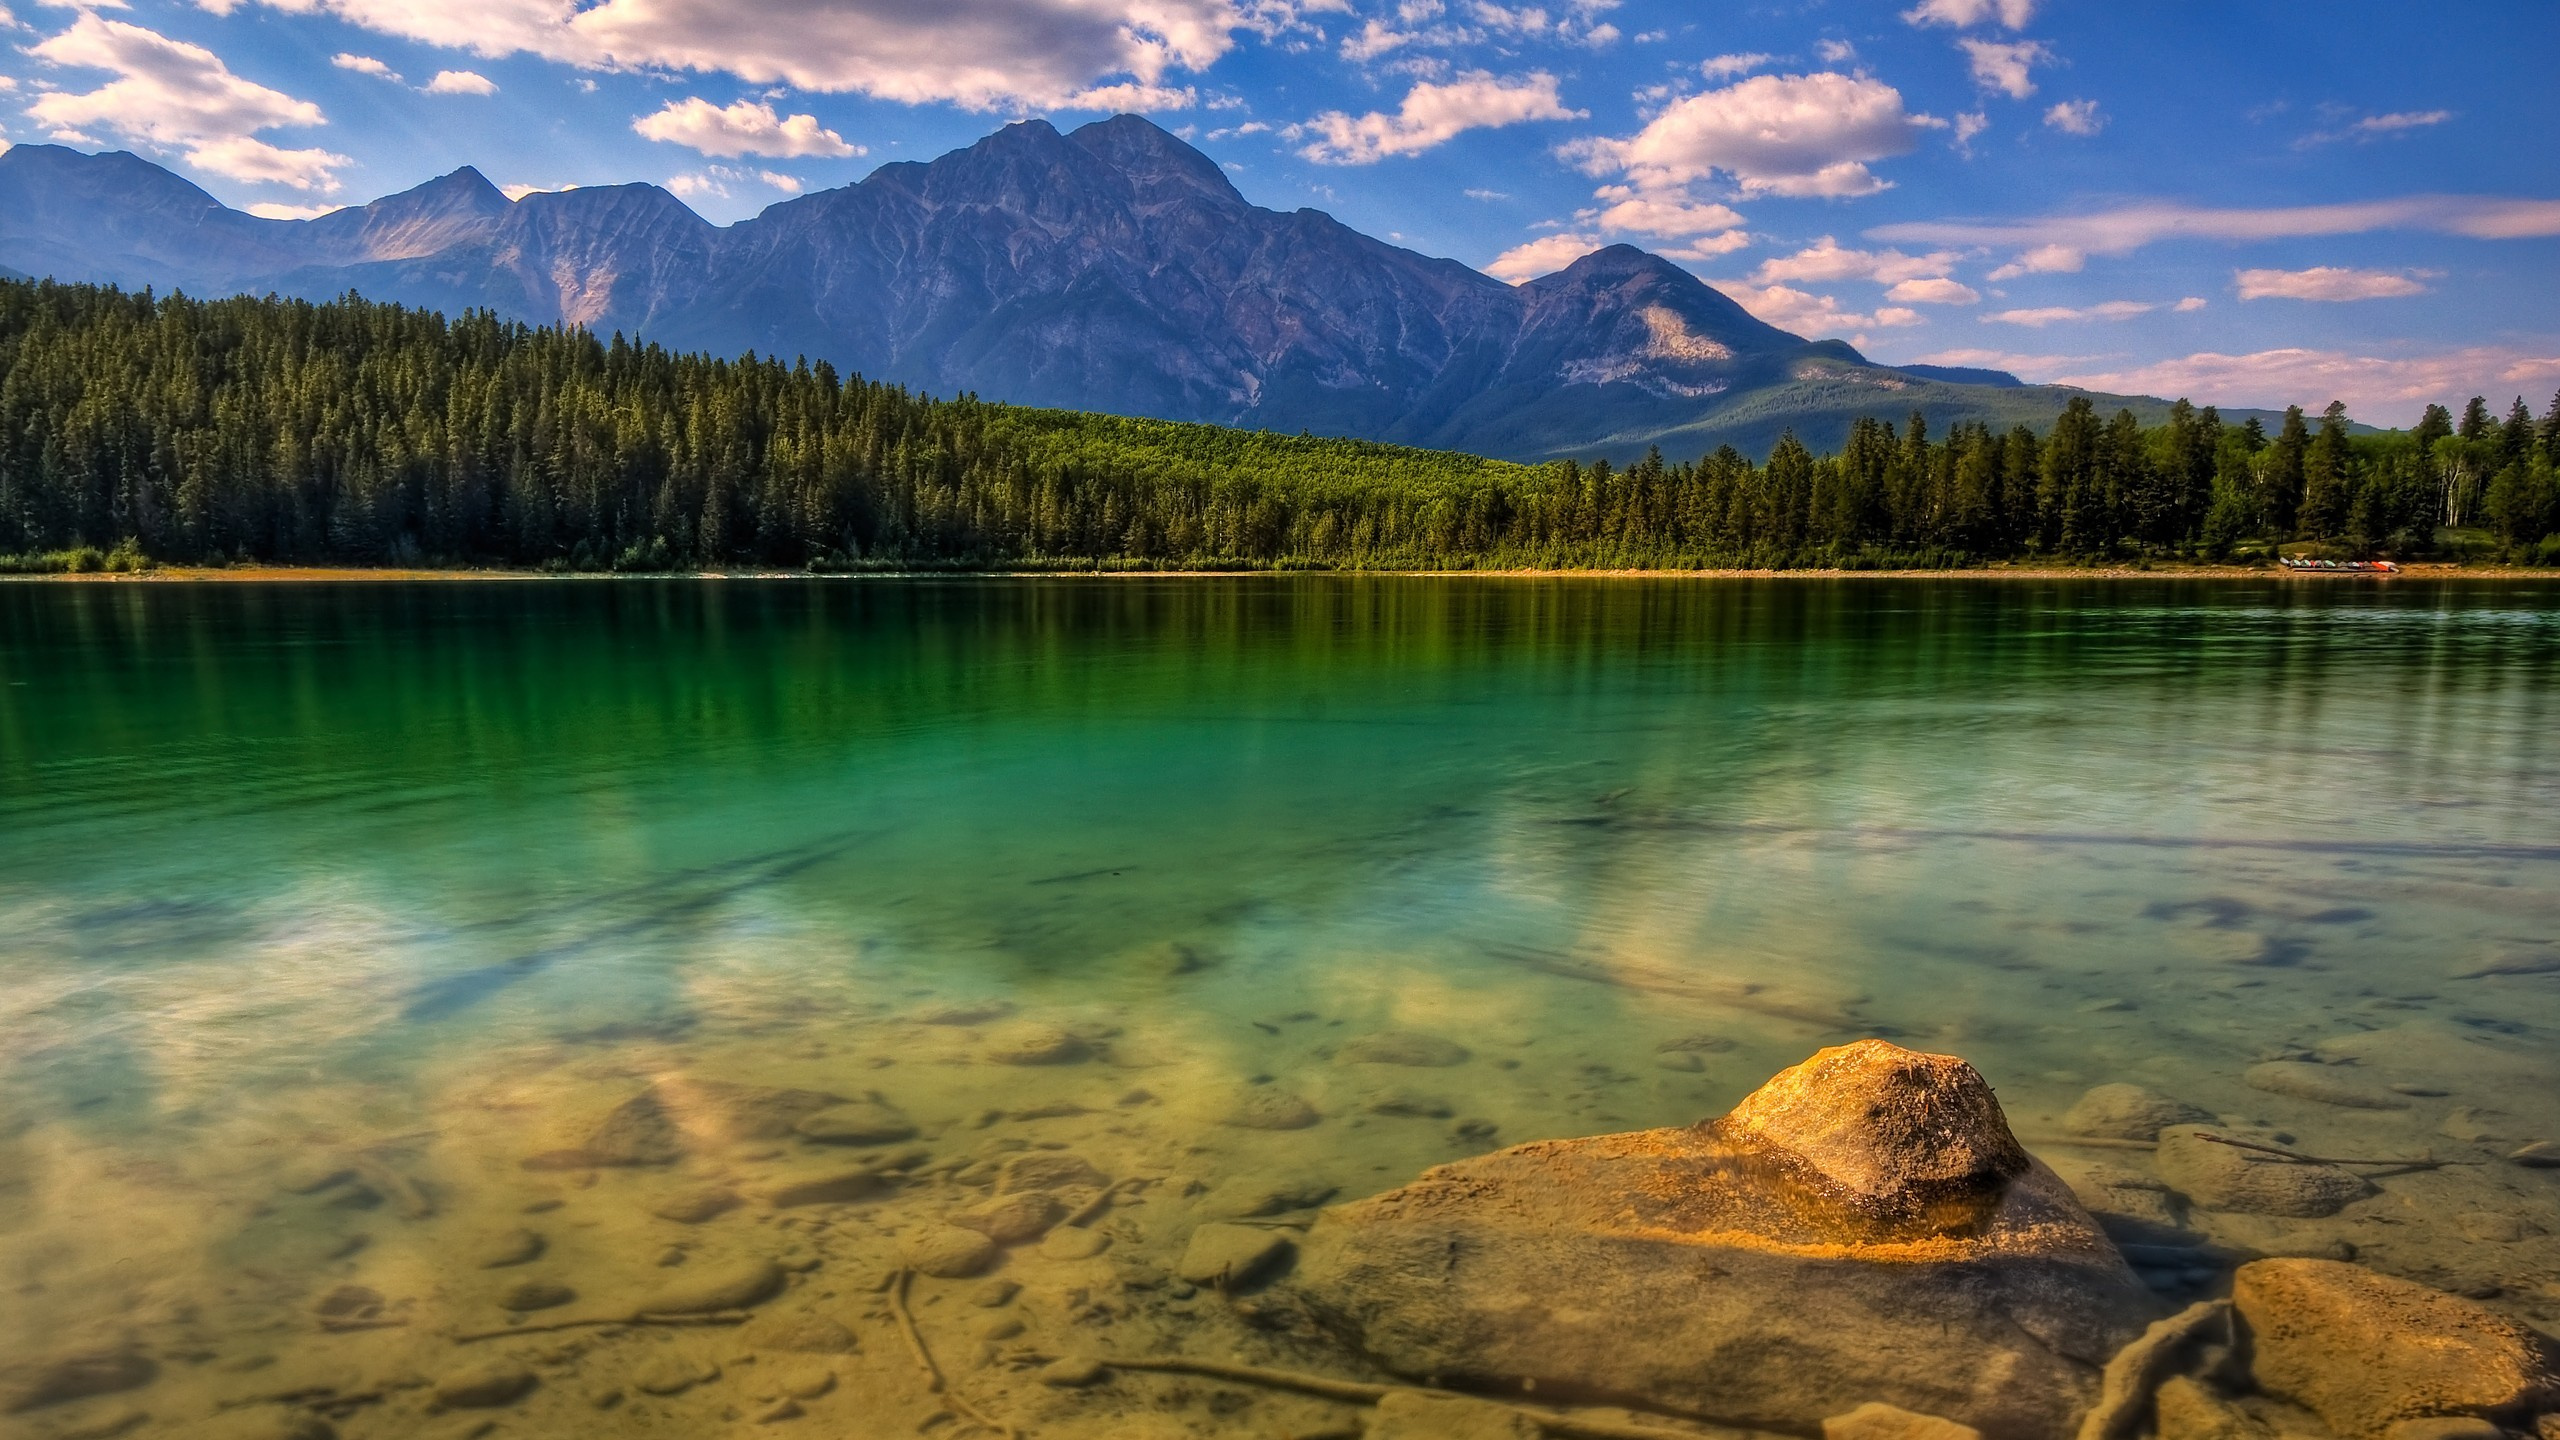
(2045, 315)
(2004, 66)
(2042, 260)
(715, 180)
(2190, 305)
(519, 191)
(1969, 125)
(1488, 195)
(1530, 22)
(1376, 38)
(2023, 365)
(1834, 52)
(364, 65)
(1815, 316)
(2380, 389)
(1709, 247)
(1543, 256)
(1634, 212)
(2075, 117)
(1940, 291)
(176, 96)
(2401, 120)
(1828, 260)
(270, 210)
(2372, 127)
(1963, 13)
(2327, 282)
(981, 54)
(1132, 98)
(1725, 67)
(746, 128)
(2116, 232)
(461, 82)
(1798, 135)
(1432, 114)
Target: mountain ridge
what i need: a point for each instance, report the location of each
(1109, 268)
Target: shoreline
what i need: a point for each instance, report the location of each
(296, 574)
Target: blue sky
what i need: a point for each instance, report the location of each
(2252, 203)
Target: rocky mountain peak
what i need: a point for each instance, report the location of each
(1157, 164)
(1112, 267)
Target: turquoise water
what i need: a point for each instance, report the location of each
(425, 879)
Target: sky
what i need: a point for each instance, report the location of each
(2251, 202)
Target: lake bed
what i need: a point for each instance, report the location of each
(381, 958)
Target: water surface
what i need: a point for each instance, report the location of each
(382, 889)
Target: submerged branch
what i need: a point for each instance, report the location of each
(933, 1377)
(1362, 1392)
(716, 1317)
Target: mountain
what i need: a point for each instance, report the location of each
(1111, 268)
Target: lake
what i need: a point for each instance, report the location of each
(343, 927)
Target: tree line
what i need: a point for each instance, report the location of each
(136, 427)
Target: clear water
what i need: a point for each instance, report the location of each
(414, 882)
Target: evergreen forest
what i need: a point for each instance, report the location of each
(137, 428)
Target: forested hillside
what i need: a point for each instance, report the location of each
(355, 433)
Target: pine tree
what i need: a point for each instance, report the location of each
(2324, 478)
(2281, 473)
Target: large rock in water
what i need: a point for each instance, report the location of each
(1862, 1228)
(2367, 1351)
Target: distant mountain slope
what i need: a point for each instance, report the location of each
(1113, 268)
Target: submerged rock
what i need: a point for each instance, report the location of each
(1011, 1219)
(1407, 1104)
(1232, 1257)
(1876, 1421)
(696, 1206)
(267, 1422)
(2366, 1351)
(1404, 1047)
(673, 1118)
(2302, 1080)
(1033, 1043)
(871, 1121)
(825, 1187)
(536, 1295)
(673, 1374)
(2188, 1409)
(947, 1252)
(1074, 1244)
(977, 1012)
(2215, 1176)
(734, 1286)
(73, 1375)
(1411, 1415)
(1265, 1109)
(2129, 1112)
(1862, 1228)
(511, 1247)
(484, 1386)
(1047, 1170)
(801, 1333)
